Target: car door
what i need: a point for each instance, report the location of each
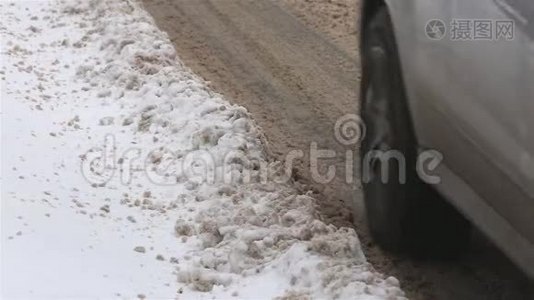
(472, 99)
(491, 103)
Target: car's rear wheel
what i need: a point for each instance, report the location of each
(403, 217)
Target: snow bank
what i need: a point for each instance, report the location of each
(115, 147)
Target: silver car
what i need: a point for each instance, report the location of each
(447, 95)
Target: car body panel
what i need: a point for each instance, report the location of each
(473, 101)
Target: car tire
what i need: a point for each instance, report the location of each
(410, 216)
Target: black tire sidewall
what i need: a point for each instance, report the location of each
(388, 204)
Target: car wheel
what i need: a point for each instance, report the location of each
(403, 215)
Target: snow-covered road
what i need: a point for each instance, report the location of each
(124, 176)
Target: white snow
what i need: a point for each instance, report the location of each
(124, 175)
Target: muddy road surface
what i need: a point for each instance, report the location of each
(294, 65)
